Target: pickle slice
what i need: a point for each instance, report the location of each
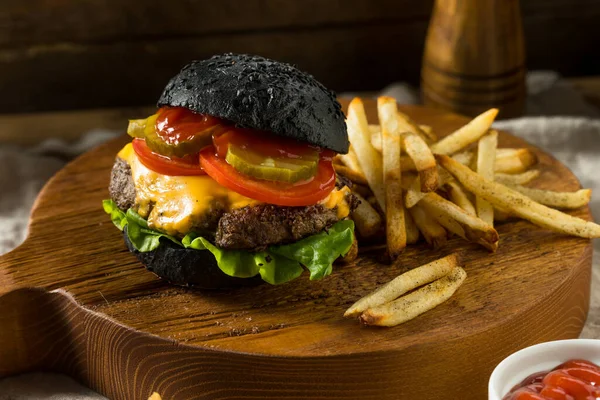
(138, 127)
(271, 169)
(145, 128)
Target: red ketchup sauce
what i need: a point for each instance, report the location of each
(572, 380)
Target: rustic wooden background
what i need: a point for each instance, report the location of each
(63, 54)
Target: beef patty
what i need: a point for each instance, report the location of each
(248, 228)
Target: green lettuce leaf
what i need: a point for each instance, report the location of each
(276, 265)
(318, 252)
(143, 238)
(116, 215)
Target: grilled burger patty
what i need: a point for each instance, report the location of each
(250, 228)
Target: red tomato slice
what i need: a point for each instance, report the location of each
(173, 166)
(178, 124)
(282, 194)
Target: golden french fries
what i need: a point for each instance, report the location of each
(413, 190)
(466, 135)
(412, 231)
(428, 131)
(459, 222)
(458, 196)
(564, 200)
(369, 159)
(432, 231)
(413, 193)
(406, 125)
(354, 176)
(404, 283)
(516, 179)
(518, 204)
(392, 176)
(417, 302)
(367, 219)
(464, 157)
(419, 152)
(375, 137)
(350, 160)
(512, 161)
(486, 156)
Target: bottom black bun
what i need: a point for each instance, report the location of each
(187, 267)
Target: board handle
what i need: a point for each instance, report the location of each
(474, 57)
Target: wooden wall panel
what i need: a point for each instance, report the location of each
(62, 54)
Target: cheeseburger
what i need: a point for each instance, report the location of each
(231, 180)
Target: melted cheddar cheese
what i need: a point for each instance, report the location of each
(173, 204)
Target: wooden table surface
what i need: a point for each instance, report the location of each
(29, 129)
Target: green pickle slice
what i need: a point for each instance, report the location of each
(272, 169)
(145, 128)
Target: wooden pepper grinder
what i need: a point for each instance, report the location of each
(475, 57)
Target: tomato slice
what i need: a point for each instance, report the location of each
(283, 194)
(175, 125)
(173, 166)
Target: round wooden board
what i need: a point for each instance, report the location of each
(287, 341)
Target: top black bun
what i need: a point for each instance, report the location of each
(258, 93)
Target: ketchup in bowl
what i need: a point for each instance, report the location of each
(572, 380)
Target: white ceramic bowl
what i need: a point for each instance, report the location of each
(541, 357)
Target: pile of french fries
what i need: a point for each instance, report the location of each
(413, 185)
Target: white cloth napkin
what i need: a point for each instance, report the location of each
(559, 121)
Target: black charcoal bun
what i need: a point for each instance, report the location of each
(187, 267)
(258, 93)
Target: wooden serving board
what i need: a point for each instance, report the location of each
(75, 300)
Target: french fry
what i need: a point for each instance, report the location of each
(512, 161)
(564, 200)
(414, 194)
(419, 152)
(350, 160)
(459, 222)
(369, 159)
(428, 130)
(516, 179)
(387, 110)
(464, 157)
(508, 160)
(349, 173)
(518, 204)
(417, 302)
(458, 196)
(408, 125)
(412, 231)
(404, 283)
(486, 156)
(367, 219)
(466, 135)
(432, 231)
(413, 190)
(375, 137)
(501, 216)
